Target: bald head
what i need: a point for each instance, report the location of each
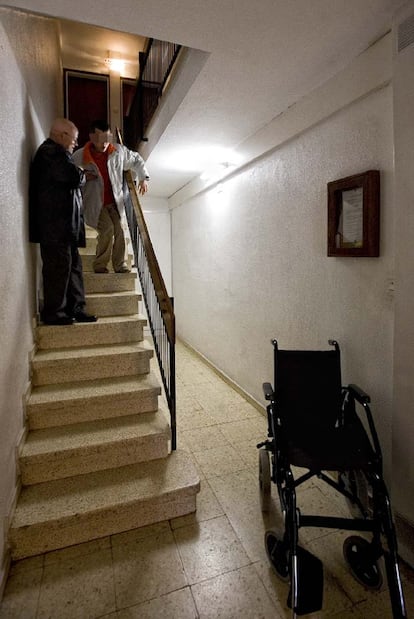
(65, 133)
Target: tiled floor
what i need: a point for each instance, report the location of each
(211, 564)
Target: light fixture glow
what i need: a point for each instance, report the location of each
(114, 62)
(207, 160)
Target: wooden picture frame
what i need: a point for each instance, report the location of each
(353, 215)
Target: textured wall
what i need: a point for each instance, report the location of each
(157, 217)
(403, 426)
(250, 263)
(30, 80)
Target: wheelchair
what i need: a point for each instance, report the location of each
(316, 424)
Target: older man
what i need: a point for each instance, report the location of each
(56, 222)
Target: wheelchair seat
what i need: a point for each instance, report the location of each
(335, 449)
(315, 423)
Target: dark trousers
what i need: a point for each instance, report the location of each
(63, 289)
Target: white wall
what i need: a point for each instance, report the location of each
(403, 421)
(158, 220)
(31, 81)
(250, 263)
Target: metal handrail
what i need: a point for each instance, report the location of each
(159, 306)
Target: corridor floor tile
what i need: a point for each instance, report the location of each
(234, 595)
(176, 605)
(209, 548)
(147, 568)
(22, 594)
(207, 508)
(238, 495)
(78, 587)
(201, 439)
(219, 461)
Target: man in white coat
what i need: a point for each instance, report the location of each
(104, 164)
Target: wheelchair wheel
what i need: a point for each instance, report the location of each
(264, 480)
(356, 483)
(364, 567)
(278, 555)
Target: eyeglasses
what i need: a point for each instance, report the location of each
(72, 139)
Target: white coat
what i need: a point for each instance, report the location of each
(119, 161)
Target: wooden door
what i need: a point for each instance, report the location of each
(86, 99)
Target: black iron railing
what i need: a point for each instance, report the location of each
(159, 306)
(155, 64)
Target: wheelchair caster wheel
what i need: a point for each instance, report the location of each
(277, 555)
(364, 568)
(264, 480)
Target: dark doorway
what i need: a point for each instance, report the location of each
(86, 99)
(128, 88)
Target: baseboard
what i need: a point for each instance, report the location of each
(6, 558)
(405, 534)
(5, 569)
(227, 379)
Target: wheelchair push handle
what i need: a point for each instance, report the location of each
(359, 394)
(268, 391)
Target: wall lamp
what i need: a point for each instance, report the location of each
(114, 62)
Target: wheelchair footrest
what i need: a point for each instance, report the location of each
(309, 583)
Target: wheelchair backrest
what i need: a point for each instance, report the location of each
(308, 389)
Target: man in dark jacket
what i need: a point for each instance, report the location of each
(56, 222)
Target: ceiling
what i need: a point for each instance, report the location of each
(260, 59)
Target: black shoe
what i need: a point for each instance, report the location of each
(59, 320)
(81, 316)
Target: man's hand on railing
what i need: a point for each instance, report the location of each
(142, 187)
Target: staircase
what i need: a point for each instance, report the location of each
(96, 460)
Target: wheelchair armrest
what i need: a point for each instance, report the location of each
(359, 394)
(364, 399)
(268, 391)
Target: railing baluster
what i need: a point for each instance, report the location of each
(156, 64)
(159, 306)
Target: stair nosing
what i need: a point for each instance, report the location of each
(144, 382)
(86, 485)
(46, 355)
(146, 425)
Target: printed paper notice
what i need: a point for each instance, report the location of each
(352, 217)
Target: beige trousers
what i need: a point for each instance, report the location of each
(110, 240)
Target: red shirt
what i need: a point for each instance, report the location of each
(101, 160)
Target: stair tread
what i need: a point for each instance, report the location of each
(58, 354)
(92, 433)
(104, 320)
(92, 492)
(80, 390)
(111, 295)
(110, 275)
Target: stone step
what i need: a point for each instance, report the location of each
(88, 259)
(112, 303)
(63, 404)
(78, 509)
(56, 453)
(109, 282)
(108, 330)
(90, 245)
(90, 363)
